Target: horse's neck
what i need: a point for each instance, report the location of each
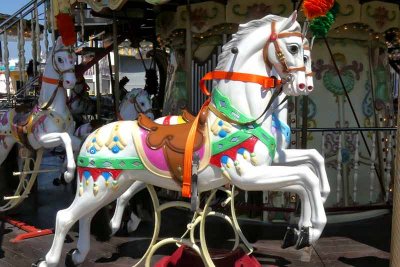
(127, 110)
(280, 108)
(249, 100)
(47, 90)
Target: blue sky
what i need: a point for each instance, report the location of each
(10, 7)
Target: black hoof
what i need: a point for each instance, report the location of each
(290, 238)
(304, 238)
(36, 264)
(68, 260)
(56, 182)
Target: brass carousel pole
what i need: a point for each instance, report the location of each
(188, 57)
(395, 242)
(116, 63)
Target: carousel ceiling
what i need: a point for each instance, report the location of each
(378, 20)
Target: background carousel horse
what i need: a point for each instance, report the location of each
(80, 104)
(135, 101)
(111, 160)
(49, 124)
(281, 132)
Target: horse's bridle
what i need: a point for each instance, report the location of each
(53, 57)
(59, 81)
(278, 51)
(310, 73)
(138, 107)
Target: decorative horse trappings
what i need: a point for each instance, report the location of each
(233, 140)
(48, 125)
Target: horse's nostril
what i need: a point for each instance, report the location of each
(302, 86)
(310, 88)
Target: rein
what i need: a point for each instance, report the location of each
(138, 107)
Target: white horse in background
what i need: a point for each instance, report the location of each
(79, 102)
(134, 102)
(50, 124)
(117, 154)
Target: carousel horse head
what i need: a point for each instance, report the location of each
(307, 64)
(63, 61)
(136, 101)
(271, 42)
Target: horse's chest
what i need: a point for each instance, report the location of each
(252, 142)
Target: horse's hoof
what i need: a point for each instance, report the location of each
(290, 238)
(68, 176)
(37, 264)
(56, 182)
(304, 238)
(68, 259)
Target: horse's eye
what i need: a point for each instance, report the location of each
(293, 49)
(142, 104)
(60, 60)
(305, 58)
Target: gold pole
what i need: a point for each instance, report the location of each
(188, 57)
(395, 242)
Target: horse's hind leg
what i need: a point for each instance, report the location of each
(82, 248)
(122, 201)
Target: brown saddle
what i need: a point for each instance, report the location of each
(172, 139)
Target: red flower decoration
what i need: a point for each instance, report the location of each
(66, 28)
(316, 8)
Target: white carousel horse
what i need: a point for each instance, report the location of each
(281, 132)
(134, 102)
(116, 155)
(50, 124)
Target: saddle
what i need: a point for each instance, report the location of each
(172, 139)
(23, 116)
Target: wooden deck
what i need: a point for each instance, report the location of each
(360, 244)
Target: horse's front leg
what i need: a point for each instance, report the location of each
(51, 140)
(259, 178)
(309, 157)
(122, 201)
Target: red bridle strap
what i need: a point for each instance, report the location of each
(265, 82)
(50, 80)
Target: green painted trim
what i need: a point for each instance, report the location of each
(114, 163)
(242, 135)
(223, 104)
(229, 142)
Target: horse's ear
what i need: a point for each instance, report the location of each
(288, 22)
(59, 42)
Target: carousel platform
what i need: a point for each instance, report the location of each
(362, 244)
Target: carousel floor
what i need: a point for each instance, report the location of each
(360, 244)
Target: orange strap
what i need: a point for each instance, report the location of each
(265, 82)
(50, 80)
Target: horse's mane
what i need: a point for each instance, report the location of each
(243, 31)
